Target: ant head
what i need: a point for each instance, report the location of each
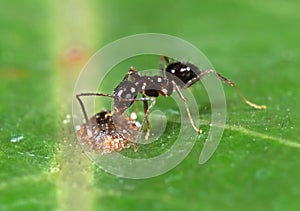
(103, 121)
(184, 72)
(103, 117)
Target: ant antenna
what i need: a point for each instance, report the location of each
(82, 105)
(230, 83)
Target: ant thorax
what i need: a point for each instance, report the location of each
(152, 86)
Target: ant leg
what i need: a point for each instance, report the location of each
(145, 102)
(163, 59)
(136, 108)
(143, 122)
(82, 105)
(131, 71)
(161, 65)
(186, 107)
(230, 83)
(167, 59)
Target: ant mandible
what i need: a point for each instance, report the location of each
(180, 75)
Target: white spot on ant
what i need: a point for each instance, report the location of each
(172, 71)
(128, 96)
(132, 89)
(183, 70)
(144, 86)
(120, 93)
(188, 68)
(159, 80)
(165, 91)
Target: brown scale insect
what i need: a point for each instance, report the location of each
(101, 135)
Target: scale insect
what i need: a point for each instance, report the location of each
(174, 77)
(106, 133)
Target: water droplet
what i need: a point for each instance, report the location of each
(232, 165)
(16, 139)
(133, 116)
(66, 121)
(171, 189)
(263, 173)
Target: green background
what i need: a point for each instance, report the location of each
(44, 45)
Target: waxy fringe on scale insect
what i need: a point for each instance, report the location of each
(108, 134)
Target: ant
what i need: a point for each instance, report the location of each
(175, 77)
(102, 135)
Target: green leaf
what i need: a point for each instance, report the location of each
(28, 127)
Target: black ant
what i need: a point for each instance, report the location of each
(175, 77)
(100, 134)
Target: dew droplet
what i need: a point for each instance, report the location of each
(263, 173)
(16, 139)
